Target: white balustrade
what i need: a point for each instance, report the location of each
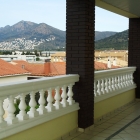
(21, 116)
(108, 83)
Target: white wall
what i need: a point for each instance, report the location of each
(10, 79)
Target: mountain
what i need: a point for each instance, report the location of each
(119, 41)
(31, 31)
(102, 35)
(41, 36)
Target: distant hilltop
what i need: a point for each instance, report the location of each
(26, 35)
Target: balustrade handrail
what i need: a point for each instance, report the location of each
(36, 84)
(107, 73)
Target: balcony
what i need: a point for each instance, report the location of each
(58, 116)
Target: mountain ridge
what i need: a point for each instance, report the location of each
(53, 38)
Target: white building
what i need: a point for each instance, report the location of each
(9, 58)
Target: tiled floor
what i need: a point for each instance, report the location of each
(124, 124)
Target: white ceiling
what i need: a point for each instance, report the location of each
(128, 8)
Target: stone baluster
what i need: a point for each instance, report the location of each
(50, 100)
(99, 87)
(110, 84)
(2, 121)
(95, 88)
(126, 78)
(131, 78)
(119, 82)
(41, 102)
(113, 83)
(11, 119)
(70, 94)
(22, 106)
(64, 96)
(116, 83)
(57, 98)
(102, 86)
(33, 112)
(106, 85)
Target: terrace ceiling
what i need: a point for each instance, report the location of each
(127, 8)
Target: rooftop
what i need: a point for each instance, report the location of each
(9, 69)
(42, 69)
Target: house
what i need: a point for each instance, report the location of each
(11, 73)
(96, 94)
(9, 58)
(46, 69)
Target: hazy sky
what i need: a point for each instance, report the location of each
(53, 12)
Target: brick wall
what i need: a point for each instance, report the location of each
(134, 50)
(79, 55)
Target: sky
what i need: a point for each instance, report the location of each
(53, 12)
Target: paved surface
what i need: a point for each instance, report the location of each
(124, 124)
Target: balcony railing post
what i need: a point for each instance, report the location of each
(32, 113)
(110, 84)
(102, 86)
(50, 99)
(116, 83)
(2, 121)
(99, 88)
(41, 102)
(64, 96)
(113, 83)
(106, 85)
(11, 119)
(70, 94)
(57, 98)
(95, 88)
(22, 106)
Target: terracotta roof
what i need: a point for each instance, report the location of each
(9, 69)
(36, 69)
(53, 68)
(102, 66)
(33, 68)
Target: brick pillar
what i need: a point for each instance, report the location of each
(134, 50)
(79, 55)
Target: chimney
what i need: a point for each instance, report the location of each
(23, 66)
(114, 62)
(47, 67)
(108, 64)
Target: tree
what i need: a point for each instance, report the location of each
(37, 59)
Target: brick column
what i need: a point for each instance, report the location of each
(134, 50)
(79, 55)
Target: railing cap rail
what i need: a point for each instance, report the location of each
(37, 84)
(107, 73)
